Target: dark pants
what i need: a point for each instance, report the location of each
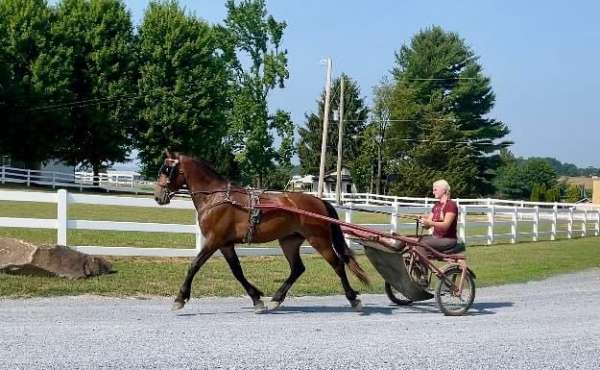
(439, 244)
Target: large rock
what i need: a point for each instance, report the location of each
(21, 257)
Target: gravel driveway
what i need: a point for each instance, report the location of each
(553, 323)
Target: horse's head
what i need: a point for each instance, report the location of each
(170, 178)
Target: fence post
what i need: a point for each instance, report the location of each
(536, 224)
(570, 224)
(199, 235)
(514, 227)
(597, 226)
(53, 180)
(28, 177)
(462, 224)
(394, 217)
(62, 206)
(3, 175)
(348, 219)
(554, 221)
(491, 218)
(584, 224)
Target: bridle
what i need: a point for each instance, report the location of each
(170, 171)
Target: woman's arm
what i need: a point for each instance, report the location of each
(444, 225)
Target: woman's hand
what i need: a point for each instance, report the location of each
(425, 222)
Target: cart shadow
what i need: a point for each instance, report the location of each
(477, 309)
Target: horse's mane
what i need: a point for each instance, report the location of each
(207, 166)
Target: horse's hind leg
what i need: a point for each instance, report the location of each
(291, 250)
(234, 264)
(323, 246)
(186, 288)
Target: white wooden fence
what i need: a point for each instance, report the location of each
(481, 221)
(78, 180)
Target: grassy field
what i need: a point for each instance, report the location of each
(498, 264)
(139, 277)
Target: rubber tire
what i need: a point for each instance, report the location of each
(390, 292)
(455, 270)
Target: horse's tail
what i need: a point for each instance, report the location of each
(342, 249)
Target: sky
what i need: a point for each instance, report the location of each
(542, 58)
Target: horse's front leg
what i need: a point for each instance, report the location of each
(186, 288)
(236, 268)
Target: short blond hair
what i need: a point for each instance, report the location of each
(443, 184)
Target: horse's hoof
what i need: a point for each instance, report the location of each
(259, 307)
(177, 306)
(273, 305)
(357, 305)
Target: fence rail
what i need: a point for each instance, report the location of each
(498, 219)
(80, 180)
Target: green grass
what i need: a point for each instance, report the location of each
(494, 265)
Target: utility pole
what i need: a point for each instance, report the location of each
(338, 181)
(324, 135)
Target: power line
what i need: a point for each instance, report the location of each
(81, 103)
(441, 79)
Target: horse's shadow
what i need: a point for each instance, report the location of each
(482, 308)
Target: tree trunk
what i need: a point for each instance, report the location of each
(96, 170)
(371, 181)
(378, 183)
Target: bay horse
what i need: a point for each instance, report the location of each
(225, 215)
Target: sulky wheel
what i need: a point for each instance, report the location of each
(449, 300)
(395, 296)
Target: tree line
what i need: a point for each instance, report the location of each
(80, 83)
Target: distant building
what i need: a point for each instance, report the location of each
(311, 182)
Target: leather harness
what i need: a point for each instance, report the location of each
(254, 213)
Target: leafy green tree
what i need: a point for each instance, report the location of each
(382, 112)
(183, 82)
(249, 34)
(98, 37)
(536, 193)
(281, 174)
(573, 194)
(538, 171)
(32, 80)
(355, 117)
(441, 99)
(365, 166)
(553, 194)
(518, 179)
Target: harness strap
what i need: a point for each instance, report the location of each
(254, 214)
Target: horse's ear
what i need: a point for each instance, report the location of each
(169, 154)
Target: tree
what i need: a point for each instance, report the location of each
(249, 34)
(364, 168)
(183, 83)
(573, 194)
(519, 178)
(441, 99)
(355, 117)
(32, 80)
(98, 37)
(382, 112)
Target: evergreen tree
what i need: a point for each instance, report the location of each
(355, 117)
(184, 85)
(439, 127)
